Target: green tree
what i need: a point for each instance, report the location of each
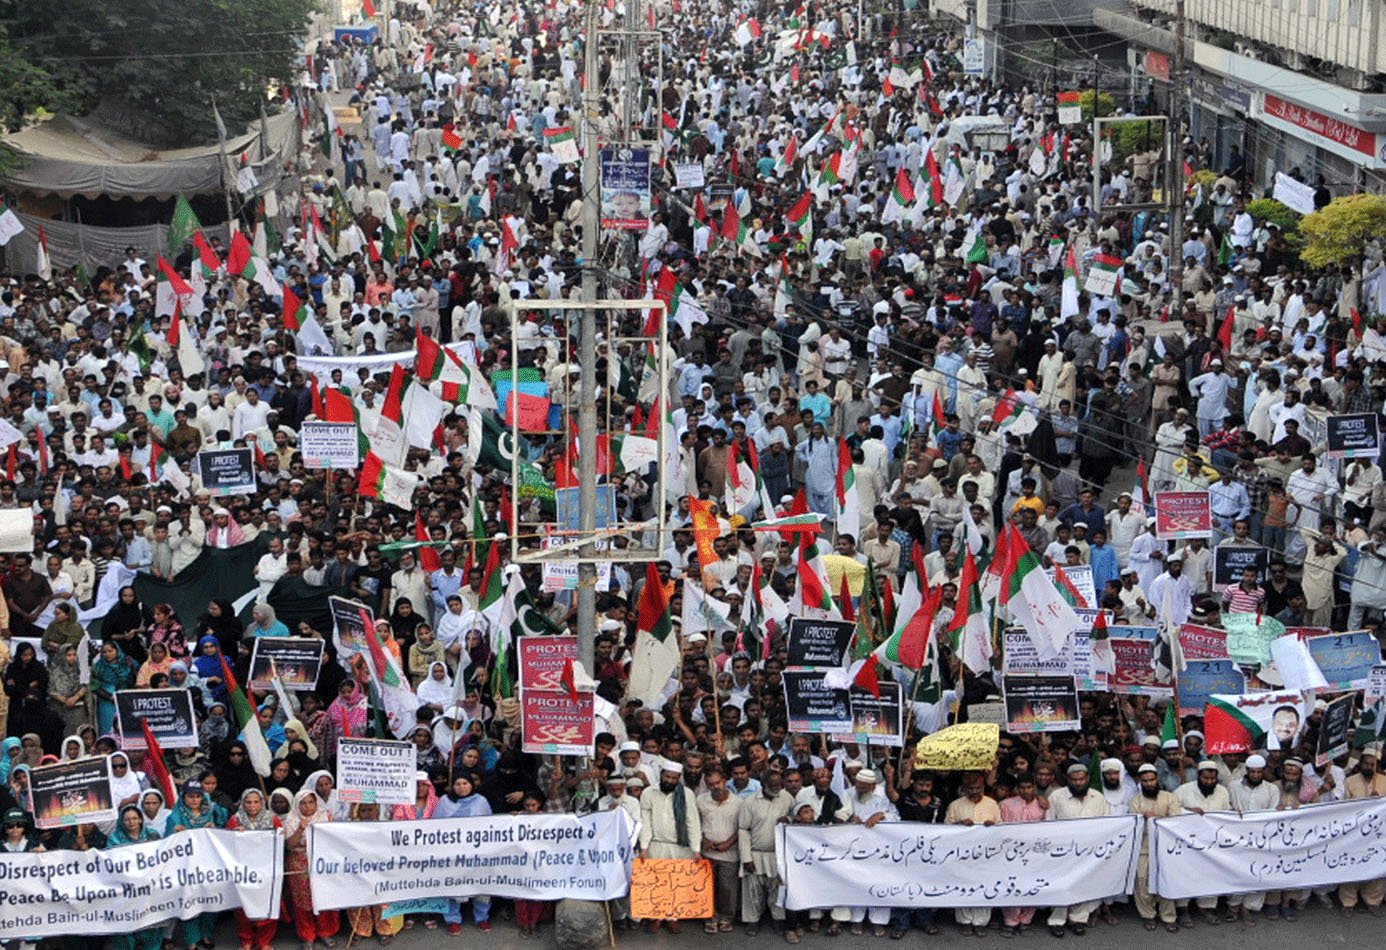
(1337, 233)
(157, 64)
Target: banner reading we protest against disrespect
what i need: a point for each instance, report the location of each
(1224, 853)
(909, 864)
(538, 857)
(61, 893)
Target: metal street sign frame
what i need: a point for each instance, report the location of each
(569, 549)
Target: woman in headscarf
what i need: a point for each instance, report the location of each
(281, 802)
(9, 755)
(263, 623)
(158, 662)
(112, 672)
(19, 786)
(207, 665)
(473, 706)
(235, 773)
(131, 828)
(405, 620)
(254, 815)
(67, 697)
(426, 754)
(323, 785)
(423, 653)
(462, 801)
(214, 735)
(368, 921)
(31, 749)
(126, 622)
(435, 691)
(310, 924)
(64, 629)
(220, 623)
(282, 775)
(294, 729)
(18, 835)
(349, 714)
(529, 914)
(196, 810)
(181, 676)
(315, 720)
(425, 801)
(386, 634)
(126, 783)
(480, 660)
(155, 809)
(185, 765)
(72, 749)
(168, 630)
(24, 673)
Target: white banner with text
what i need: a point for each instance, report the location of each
(121, 890)
(1226, 853)
(537, 857)
(909, 864)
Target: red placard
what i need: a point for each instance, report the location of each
(542, 660)
(555, 722)
(1182, 514)
(1203, 643)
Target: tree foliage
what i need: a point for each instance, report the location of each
(159, 63)
(1275, 212)
(1336, 234)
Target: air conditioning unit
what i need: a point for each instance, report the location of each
(1248, 50)
(1293, 60)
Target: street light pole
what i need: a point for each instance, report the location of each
(587, 342)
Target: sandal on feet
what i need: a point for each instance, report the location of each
(1172, 928)
(710, 927)
(1151, 925)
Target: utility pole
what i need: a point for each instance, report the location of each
(587, 343)
(1174, 179)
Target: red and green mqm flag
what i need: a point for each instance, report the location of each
(1034, 602)
(812, 591)
(339, 407)
(796, 214)
(831, 172)
(913, 645)
(969, 628)
(208, 258)
(396, 701)
(736, 230)
(393, 486)
(656, 654)
(901, 198)
(451, 140)
(682, 305)
(251, 734)
(935, 176)
(155, 765)
(1068, 305)
(490, 602)
(563, 143)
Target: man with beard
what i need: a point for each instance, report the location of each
(1024, 806)
(760, 877)
(1366, 783)
(868, 806)
(826, 805)
(1201, 796)
(1251, 793)
(973, 808)
(1296, 789)
(1117, 787)
(669, 823)
(1153, 802)
(1076, 800)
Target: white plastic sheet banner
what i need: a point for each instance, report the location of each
(908, 864)
(537, 857)
(61, 893)
(1223, 853)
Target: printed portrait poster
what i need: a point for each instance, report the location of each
(296, 661)
(625, 180)
(1182, 514)
(169, 713)
(72, 793)
(543, 659)
(818, 643)
(814, 706)
(1243, 722)
(556, 722)
(1040, 703)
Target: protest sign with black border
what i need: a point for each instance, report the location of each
(1229, 560)
(875, 720)
(1333, 730)
(72, 793)
(1354, 436)
(226, 471)
(818, 643)
(814, 706)
(169, 713)
(296, 661)
(1040, 703)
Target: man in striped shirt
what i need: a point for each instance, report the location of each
(1246, 596)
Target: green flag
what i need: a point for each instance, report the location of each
(1171, 729)
(183, 226)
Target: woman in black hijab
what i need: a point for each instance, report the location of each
(24, 674)
(126, 623)
(235, 773)
(220, 621)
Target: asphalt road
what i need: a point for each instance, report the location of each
(1317, 925)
